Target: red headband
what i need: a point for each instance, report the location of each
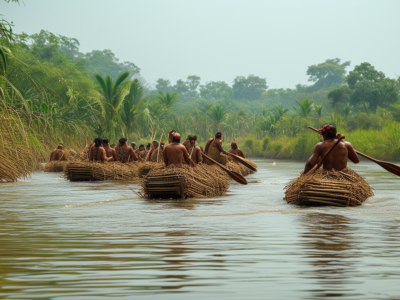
(233, 143)
(326, 128)
(177, 136)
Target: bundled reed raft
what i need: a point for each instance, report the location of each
(146, 167)
(322, 187)
(185, 182)
(87, 171)
(55, 166)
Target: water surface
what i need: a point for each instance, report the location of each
(98, 240)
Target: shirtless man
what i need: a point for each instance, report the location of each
(58, 154)
(124, 152)
(155, 152)
(235, 150)
(337, 159)
(110, 152)
(174, 153)
(193, 150)
(97, 152)
(214, 149)
(141, 152)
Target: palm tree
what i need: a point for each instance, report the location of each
(131, 104)
(305, 108)
(218, 114)
(318, 110)
(281, 111)
(113, 94)
(167, 99)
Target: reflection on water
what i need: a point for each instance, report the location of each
(99, 240)
(330, 245)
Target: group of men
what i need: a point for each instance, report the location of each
(173, 153)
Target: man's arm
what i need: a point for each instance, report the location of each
(352, 155)
(132, 155)
(241, 153)
(313, 160)
(165, 155)
(90, 154)
(148, 155)
(103, 152)
(114, 155)
(199, 156)
(186, 157)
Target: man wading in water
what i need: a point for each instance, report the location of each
(124, 152)
(174, 153)
(214, 149)
(110, 152)
(97, 152)
(337, 159)
(235, 150)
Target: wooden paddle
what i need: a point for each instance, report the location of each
(234, 175)
(392, 168)
(242, 161)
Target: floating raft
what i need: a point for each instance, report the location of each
(185, 182)
(337, 188)
(55, 166)
(91, 171)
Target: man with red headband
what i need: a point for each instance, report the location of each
(175, 153)
(235, 150)
(337, 159)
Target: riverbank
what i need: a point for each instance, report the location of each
(380, 144)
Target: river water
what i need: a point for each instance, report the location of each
(98, 240)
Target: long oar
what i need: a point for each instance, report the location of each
(392, 168)
(234, 175)
(242, 161)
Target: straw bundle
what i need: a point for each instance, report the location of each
(241, 169)
(338, 188)
(85, 171)
(55, 166)
(185, 182)
(146, 167)
(15, 162)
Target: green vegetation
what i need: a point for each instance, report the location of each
(56, 93)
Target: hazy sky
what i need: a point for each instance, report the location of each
(218, 39)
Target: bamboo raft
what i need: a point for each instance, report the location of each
(93, 171)
(55, 166)
(185, 182)
(337, 188)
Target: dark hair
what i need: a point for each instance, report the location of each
(148, 145)
(122, 140)
(98, 142)
(176, 140)
(329, 132)
(218, 135)
(105, 141)
(141, 145)
(59, 147)
(193, 138)
(133, 144)
(155, 143)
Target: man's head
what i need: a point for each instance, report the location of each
(234, 145)
(148, 146)
(98, 142)
(122, 141)
(133, 145)
(141, 147)
(193, 139)
(170, 135)
(59, 146)
(218, 135)
(328, 132)
(162, 146)
(105, 142)
(176, 137)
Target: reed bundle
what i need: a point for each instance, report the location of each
(322, 187)
(55, 166)
(146, 167)
(86, 171)
(241, 169)
(185, 182)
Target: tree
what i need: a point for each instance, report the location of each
(327, 73)
(250, 88)
(163, 85)
(340, 95)
(193, 82)
(113, 94)
(167, 99)
(318, 111)
(305, 108)
(214, 90)
(370, 88)
(218, 115)
(131, 104)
